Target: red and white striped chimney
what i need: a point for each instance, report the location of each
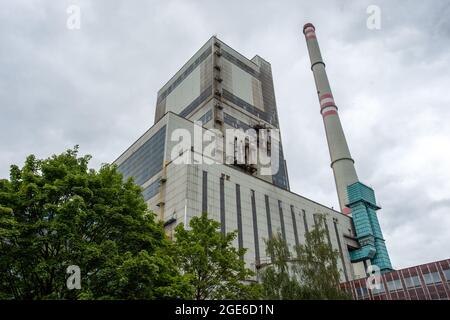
(341, 160)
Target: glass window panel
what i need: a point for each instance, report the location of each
(432, 277)
(151, 191)
(206, 117)
(145, 162)
(197, 101)
(447, 274)
(362, 292)
(394, 285)
(412, 282)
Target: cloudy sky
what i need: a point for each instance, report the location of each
(97, 86)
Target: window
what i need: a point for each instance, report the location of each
(247, 150)
(197, 101)
(184, 75)
(280, 177)
(230, 120)
(447, 274)
(235, 150)
(246, 106)
(431, 278)
(152, 190)
(394, 285)
(412, 282)
(380, 290)
(362, 292)
(206, 117)
(147, 160)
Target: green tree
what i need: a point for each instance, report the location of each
(317, 264)
(56, 212)
(310, 273)
(277, 279)
(215, 267)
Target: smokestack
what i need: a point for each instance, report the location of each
(341, 160)
(359, 198)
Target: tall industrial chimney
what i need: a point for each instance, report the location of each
(341, 160)
(354, 196)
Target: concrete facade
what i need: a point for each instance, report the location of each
(254, 207)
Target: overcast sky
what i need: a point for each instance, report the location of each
(97, 87)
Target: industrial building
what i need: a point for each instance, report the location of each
(217, 90)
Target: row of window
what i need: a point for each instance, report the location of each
(147, 161)
(280, 178)
(206, 117)
(152, 190)
(185, 74)
(240, 64)
(410, 282)
(270, 215)
(197, 101)
(235, 123)
(267, 93)
(246, 106)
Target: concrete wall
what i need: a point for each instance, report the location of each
(193, 175)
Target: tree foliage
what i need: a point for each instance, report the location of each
(56, 212)
(215, 267)
(278, 282)
(310, 273)
(317, 264)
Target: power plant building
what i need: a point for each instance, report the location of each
(182, 176)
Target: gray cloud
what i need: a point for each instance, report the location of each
(97, 87)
